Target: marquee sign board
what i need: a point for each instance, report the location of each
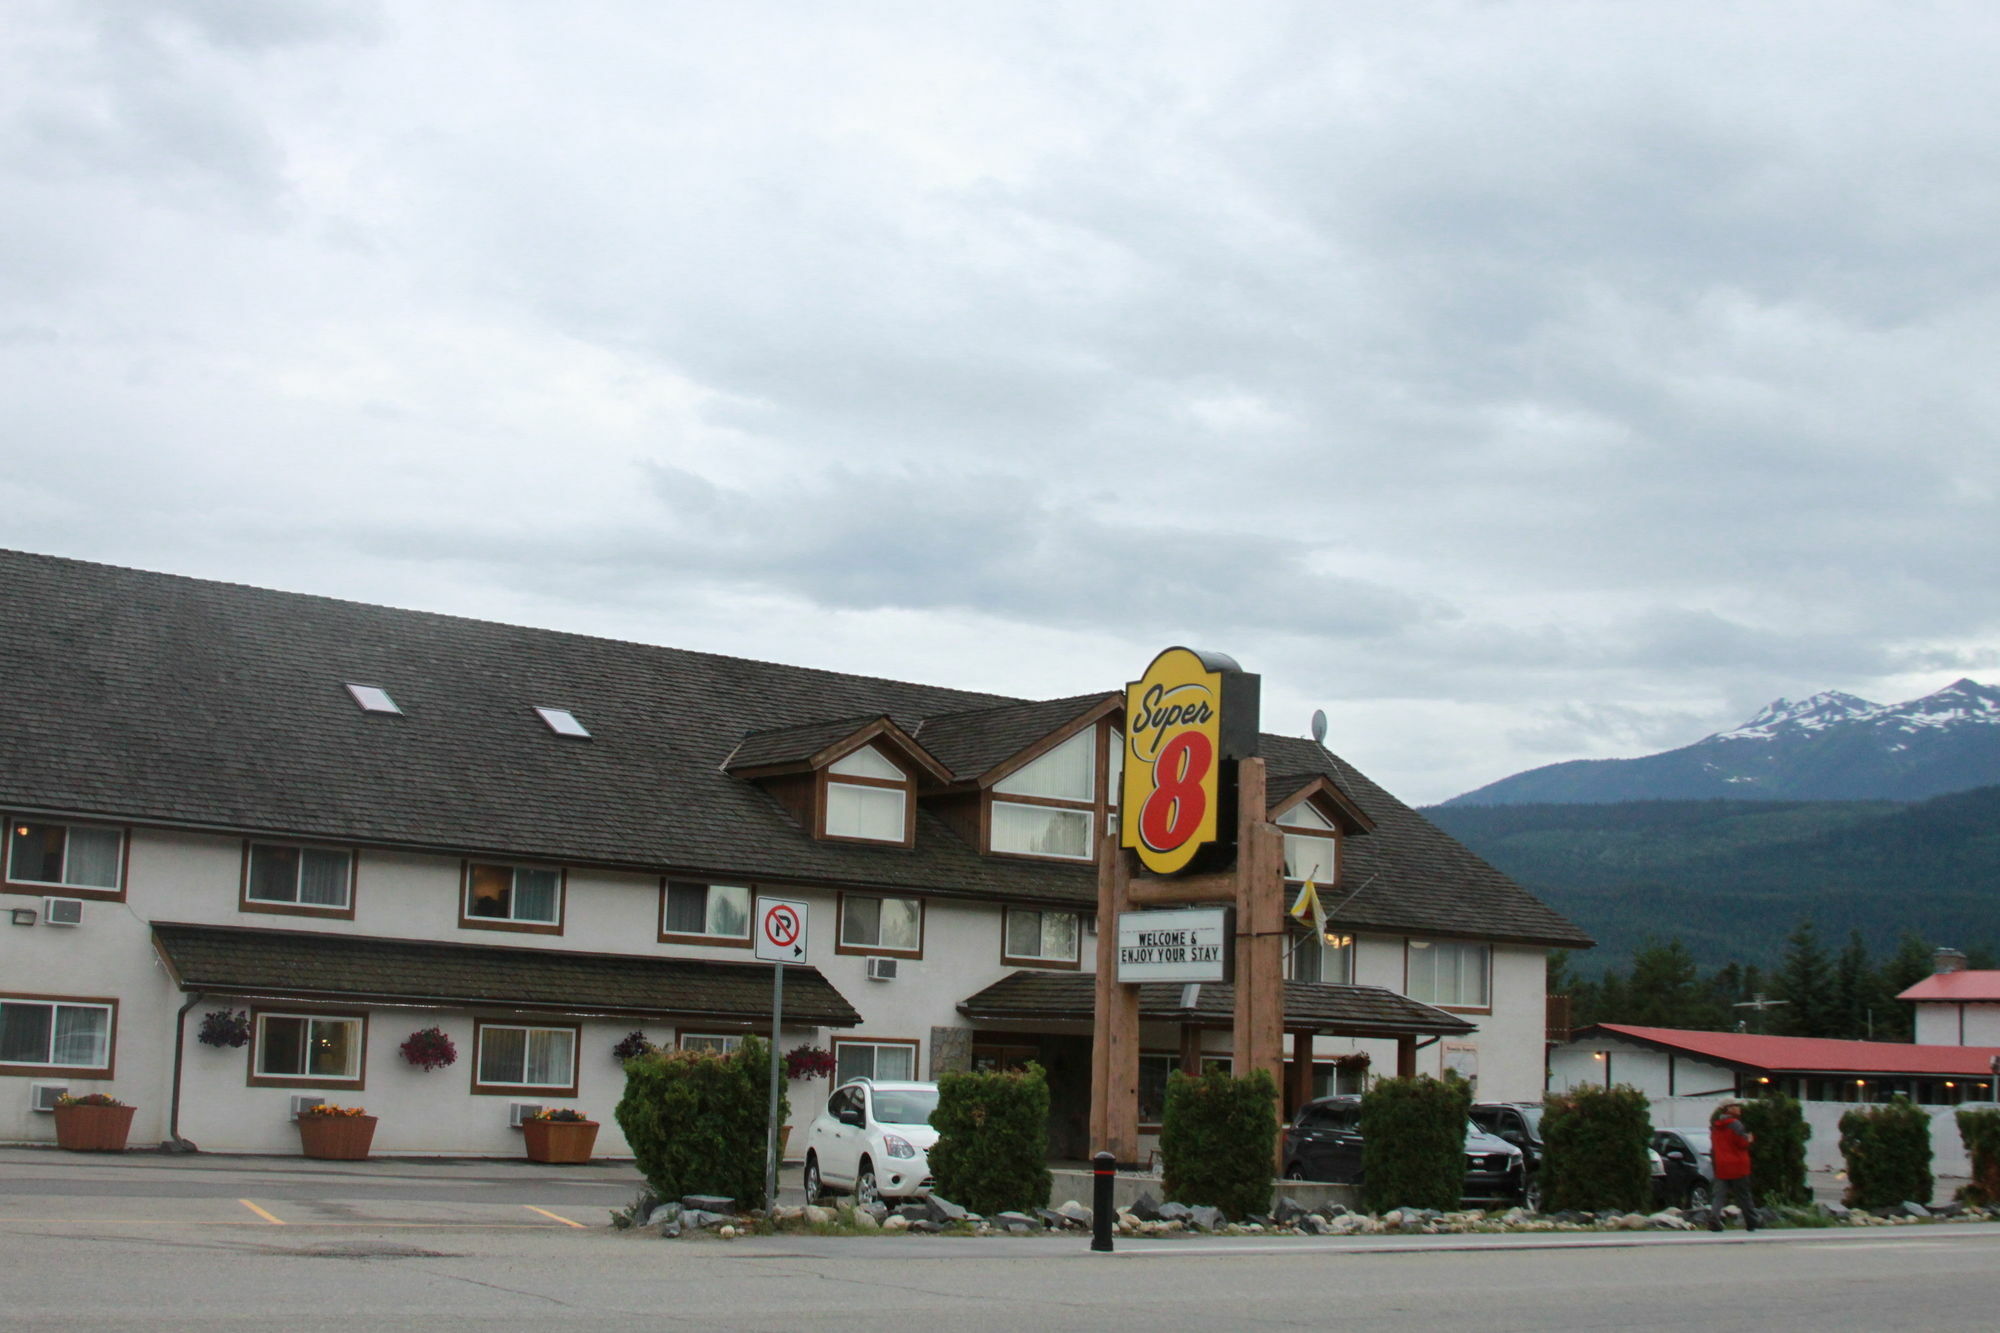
(1187, 721)
(1191, 944)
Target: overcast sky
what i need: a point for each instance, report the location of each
(1517, 382)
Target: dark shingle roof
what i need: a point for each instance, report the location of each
(1360, 1011)
(971, 743)
(152, 697)
(319, 965)
(790, 745)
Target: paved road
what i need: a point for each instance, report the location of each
(142, 1242)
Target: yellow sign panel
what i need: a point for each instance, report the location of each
(1173, 735)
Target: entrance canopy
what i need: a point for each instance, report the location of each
(1311, 1008)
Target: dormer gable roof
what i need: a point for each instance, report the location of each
(1286, 790)
(984, 745)
(809, 746)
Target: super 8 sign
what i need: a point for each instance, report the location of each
(1187, 720)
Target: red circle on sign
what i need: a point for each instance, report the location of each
(781, 925)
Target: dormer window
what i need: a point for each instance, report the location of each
(868, 799)
(1312, 844)
(1048, 807)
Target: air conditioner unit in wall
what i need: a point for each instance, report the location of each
(882, 969)
(519, 1111)
(62, 911)
(45, 1095)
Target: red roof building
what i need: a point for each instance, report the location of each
(1682, 1062)
(1956, 1006)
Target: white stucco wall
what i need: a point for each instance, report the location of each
(1958, 1024)
(1601, 1062)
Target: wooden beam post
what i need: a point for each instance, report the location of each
(1114, 1054)
(1301, 1089)
(1406, 1057)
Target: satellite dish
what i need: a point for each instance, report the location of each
(1319, 726)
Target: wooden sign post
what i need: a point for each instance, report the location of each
(1253, 884)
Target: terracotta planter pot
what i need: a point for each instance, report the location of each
(565, 1141)
(338, 1138)
(93, 1128)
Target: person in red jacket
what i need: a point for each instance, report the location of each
(1729, 1144)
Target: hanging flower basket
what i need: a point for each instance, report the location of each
(336, 1133)
(224, 1027)
(632, 1046)
(807, 1062)
(429, 1049)
(1353, 1060)
(563, 1137)
(93, 1123)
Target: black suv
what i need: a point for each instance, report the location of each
(1519, 1123)
(1324, 1143)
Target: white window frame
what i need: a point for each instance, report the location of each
(481, 1085)
(1297, 952)
(1040, 958)
(303, 1078)
(860, 774)
(842, 1046)
(344, 907)
(721, 1043)
(1019, 791)
(56, 1004)
(68, 887)
(706, 935)
(846, 944)
(512, 921)
(1462, 953)
(1319, 831)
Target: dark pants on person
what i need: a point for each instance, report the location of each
(1739, 1189)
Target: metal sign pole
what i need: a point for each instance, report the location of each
(771, 1130)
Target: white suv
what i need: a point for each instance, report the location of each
(873, 1141)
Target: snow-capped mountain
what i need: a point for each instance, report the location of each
(1828, 747)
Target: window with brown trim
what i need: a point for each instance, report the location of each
(303, 881)
(882, 1059)
(504, 897)
(867, 798)
(890, 926)
(1039, 937)
(57, 1034)
(1049, 806)
(704, 914)
(1312, 844)
(65, 859)
(524, 1058)
(304, 1048)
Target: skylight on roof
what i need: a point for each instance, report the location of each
(373, 699)
(563, 722)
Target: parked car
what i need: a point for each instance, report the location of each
(873, 1141)
(1689, 1179)
(1324, 1143)
(1519, 1123)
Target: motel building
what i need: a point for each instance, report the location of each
(313, 828)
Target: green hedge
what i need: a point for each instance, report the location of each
(992, 1153)
(1413, 1143)
(696, 1120)
(1218, 1140)
(1778, 1158)
(1979, 1129)
(1594, 1150)
(1888, 1153)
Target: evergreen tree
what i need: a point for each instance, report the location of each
(1907, 966)
(1665, 990)
(1857, 992)
(1805, 982)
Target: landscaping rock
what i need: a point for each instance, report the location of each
(1206, 1217)
(709, 1203)
(1049, 1218)
(1075, 1214)
(896, 1222)
(1911, 1208)
(1314, 1224)
(700, 1219)
(910, 1212)
(666, 1212)
(670, 1230)
(1146, 1208)
(1839, 1212)
(1012, 1221)
(866, 1221)
(817, 1216)
(1289, 1209)
(787, 1213)
(1175, 1212)
(877, 1210)
(943, 1211)
(926, 1227)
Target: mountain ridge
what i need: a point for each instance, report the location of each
(1829, 746)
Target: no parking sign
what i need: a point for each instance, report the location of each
(781, 930)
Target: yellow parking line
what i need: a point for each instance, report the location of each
(276, 1222)
(546, 1213)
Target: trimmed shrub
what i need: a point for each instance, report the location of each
(1218, 1139)
(1594, 1143)
(1778, 1157)
(1979, 1130)
(992, 1153)
(696, 1120)
(1413, 1143)
(1888, 1153)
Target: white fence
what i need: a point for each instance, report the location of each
(1823, 1148)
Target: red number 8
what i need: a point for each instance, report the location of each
(1174, 810)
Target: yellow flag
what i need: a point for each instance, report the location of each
(1309, 909)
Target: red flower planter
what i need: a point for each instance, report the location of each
(93, 1128)
(338, 1138)
(567, 1142)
